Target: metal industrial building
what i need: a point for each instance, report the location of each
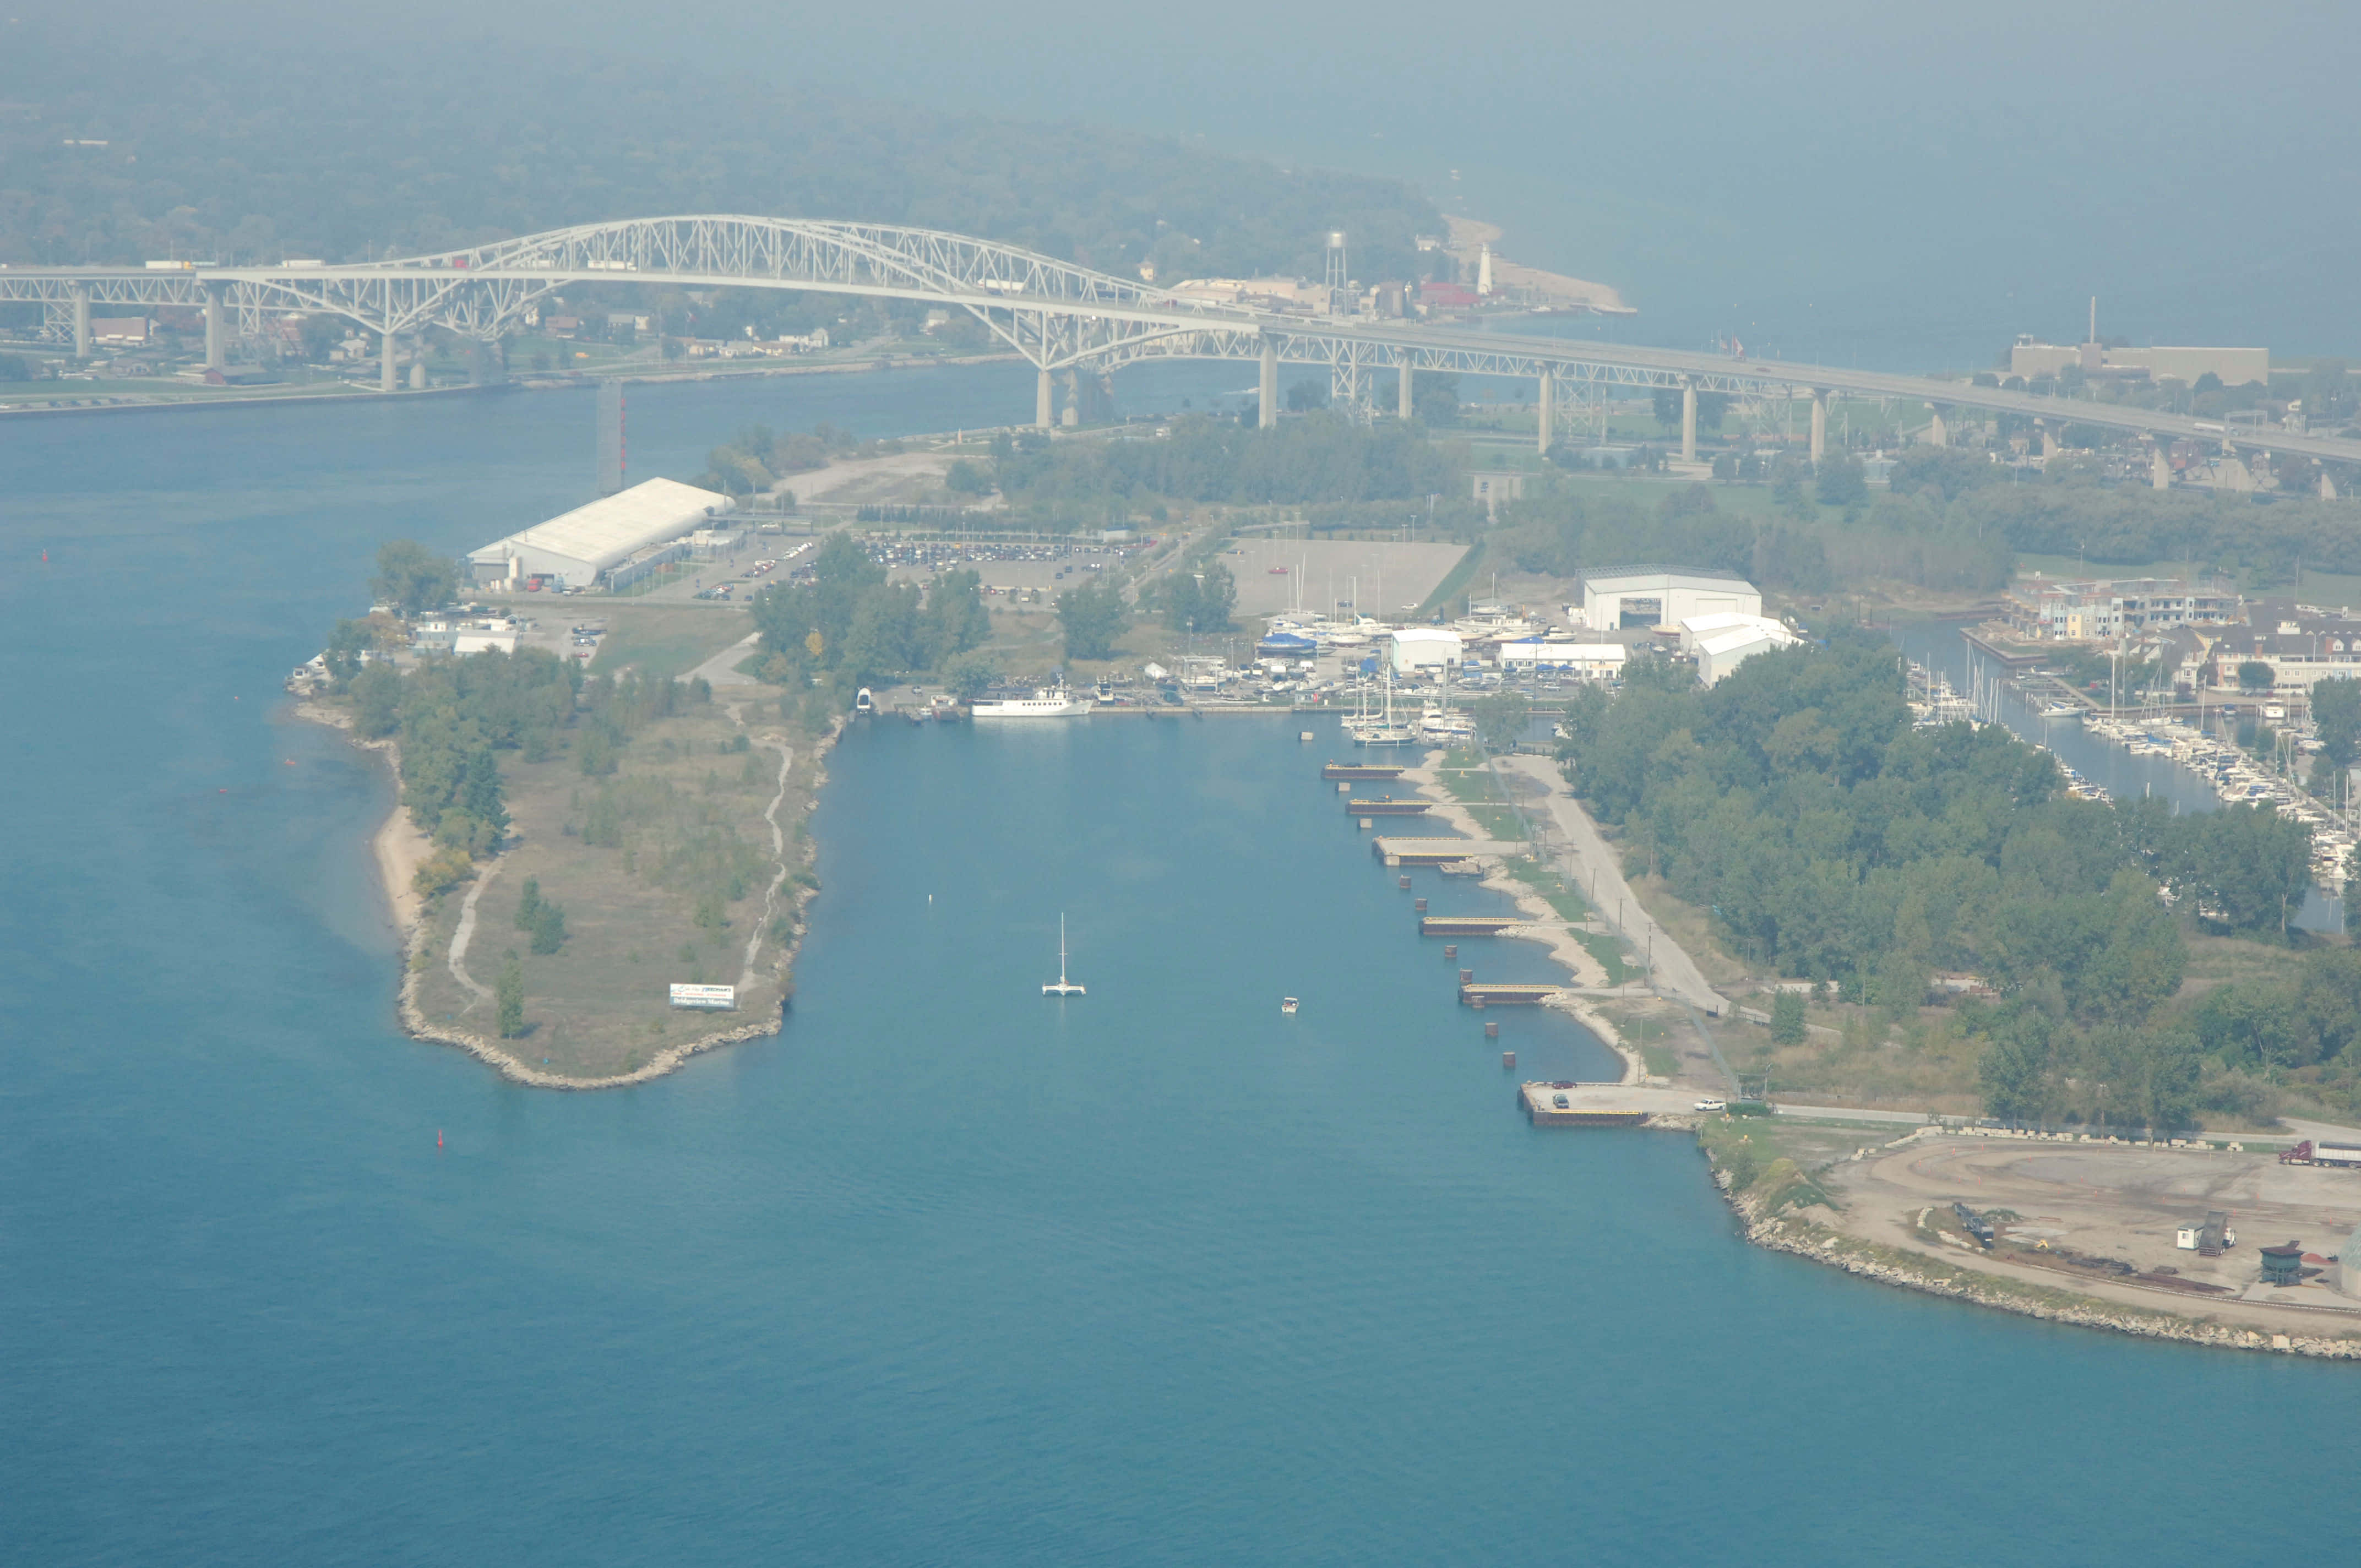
(1663, 596)
(618, 537)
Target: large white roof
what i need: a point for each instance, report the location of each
(611, 529)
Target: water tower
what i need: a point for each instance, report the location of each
(1339, 286)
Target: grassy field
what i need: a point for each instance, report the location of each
(668, 640)
(1606, 948)
(663, 870)
(1466, 780)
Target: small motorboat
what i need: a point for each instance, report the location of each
(1287, 1005)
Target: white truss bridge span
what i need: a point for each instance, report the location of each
(1060, 317)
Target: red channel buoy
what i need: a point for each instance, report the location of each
(438, 1137)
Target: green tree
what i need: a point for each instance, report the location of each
(410, 577)
(1094, 617)
(2254, 676)
(956, 618)
(2337, 709)
(1840, 481)
(965, 477)
(528, 904)
(1434, 397)
(548, 928)
(1306, 395)
(15, 367)
(1217, 599)
(970, 676)
(1787, 1018)
(1500, 719)
(509, 994)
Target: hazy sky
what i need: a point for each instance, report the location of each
(1833, 180)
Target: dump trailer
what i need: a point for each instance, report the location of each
(2347, 1156)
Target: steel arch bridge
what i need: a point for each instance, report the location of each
(1056, 315)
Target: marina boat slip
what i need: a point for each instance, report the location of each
(1054, 702)
(1469, 924)
(1388, 807)
(1372, 771)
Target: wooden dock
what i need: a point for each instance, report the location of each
(1388, 807)
(1377, 771)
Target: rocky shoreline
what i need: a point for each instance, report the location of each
(411, 920)
(1803, 1239)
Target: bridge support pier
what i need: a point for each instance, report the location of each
(1073, 414)
(1938, 433)
(1270, 386)
(216, 344)
(1688, 423)
(385, 378)
(1045, 400)
(1547, 423)
(1402, 403)
(1820, 425)
(82, 321)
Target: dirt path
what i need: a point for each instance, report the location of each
(465, 932)
(778, 849)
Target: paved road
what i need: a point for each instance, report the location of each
(1676, 974)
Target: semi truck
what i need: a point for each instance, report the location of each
(2345, 1156)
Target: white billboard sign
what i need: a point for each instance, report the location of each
(713, 996)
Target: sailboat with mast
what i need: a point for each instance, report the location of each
(1384, 732)
(1064, 987)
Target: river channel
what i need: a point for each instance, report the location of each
(946, 1272)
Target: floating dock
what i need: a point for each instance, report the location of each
(1376, 771)
(1540, 1101)
(1504, 993)
(1468, 925)
(1388, 807)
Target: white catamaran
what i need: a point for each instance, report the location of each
(1064, 987)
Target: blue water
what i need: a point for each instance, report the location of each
(944, 1272)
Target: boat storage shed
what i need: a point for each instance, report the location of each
(1426, 648)
(576, 549)
(1723, 652)
(1666, 596)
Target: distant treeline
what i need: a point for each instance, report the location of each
(2068, 511)
(1316, 457)
(245, 152)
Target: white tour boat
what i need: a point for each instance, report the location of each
(1045, 703)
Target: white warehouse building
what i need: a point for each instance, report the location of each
(633, 528)
(1426, 648)
(1661, 595)
(1719, 652)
